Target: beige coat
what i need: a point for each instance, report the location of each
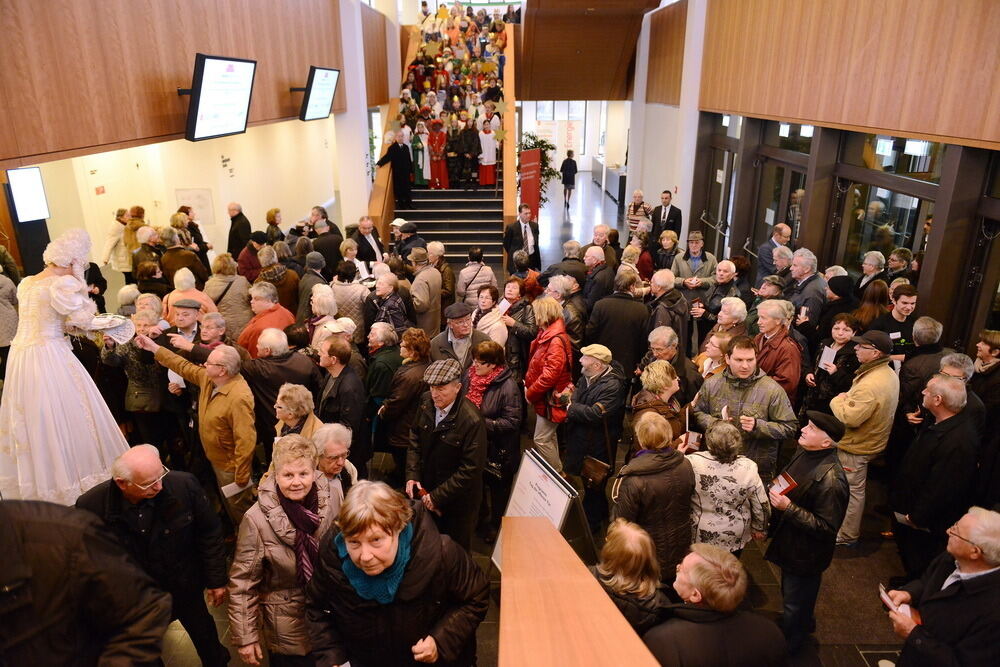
(266, 603)
(426, 294)
(868, 408)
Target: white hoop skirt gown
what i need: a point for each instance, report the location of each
(57, 436)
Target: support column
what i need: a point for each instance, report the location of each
(744, 211)
(351, 126)
(815, 232)
(637, 115)
(688, 122)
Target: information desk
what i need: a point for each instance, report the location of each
(552, 609)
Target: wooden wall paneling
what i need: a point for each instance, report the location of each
(376, 56)
(88, 75)
(666, 54)
(922, 68)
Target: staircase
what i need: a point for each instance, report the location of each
(460, 219)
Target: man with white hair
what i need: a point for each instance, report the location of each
(176, 257)
(833, 272)
(667, 306)
(932, 488)
(601, 241)
(872, 269)
(664, 345)
(956, 598)
(961, 366)
(807, 292)
(149, 247)
(731, 319)
(268, 314)
(333, 442)
(600, 276)
(164, 521)
(370, 247)
(565, 290)
(274, 366)
(570, 265)
(225, 419)
(239, 229)
(705, 314)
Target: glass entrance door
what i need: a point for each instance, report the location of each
(878, 219)
(779, 200)
(720, 200)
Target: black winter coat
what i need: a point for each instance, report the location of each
(575, 319)
(184, 550)
(443, 592)
(641, 613)
(619, 323)
(670, 309)
(70, 595)
(448, 461)
(404, 400)
(654, 490)
(934, 482)
(328, 245)
(805, 534)
(600, 283)
(960, 623)
(342, 401)
(569, 266)
(265, 375)
(519, 337)
(501, 410)
(695, 635)
(239, 234)
(830, 311)
(916, 371)
(595, 405)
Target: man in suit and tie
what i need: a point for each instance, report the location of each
(780, 235)
(522, 235)
(665, 216)
(370, 247)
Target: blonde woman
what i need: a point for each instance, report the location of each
(324, 308)
(349, 249)
(276, 554)
(630, 574)
(660, 386)
(294, 411)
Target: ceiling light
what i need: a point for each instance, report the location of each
(725, 120)
(805, 131)
(917, 147)
(783, 129)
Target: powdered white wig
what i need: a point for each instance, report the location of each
(70, 250)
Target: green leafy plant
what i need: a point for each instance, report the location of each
(529, 141)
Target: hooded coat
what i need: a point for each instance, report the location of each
(670, 309)
(654, 490)
(443, 594)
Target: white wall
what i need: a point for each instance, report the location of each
(615, 143)
(288, 165)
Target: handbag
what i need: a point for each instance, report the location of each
(595, 471)
(551, 402)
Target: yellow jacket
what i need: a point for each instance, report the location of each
(225, 417)
(868, 408)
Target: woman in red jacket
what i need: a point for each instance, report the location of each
(548, 374)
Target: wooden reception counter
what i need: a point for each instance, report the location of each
(552, 609)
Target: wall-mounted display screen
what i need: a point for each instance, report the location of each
(28, 193)
(220, 97)
(320, 90)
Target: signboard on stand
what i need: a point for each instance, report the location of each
(531, 179)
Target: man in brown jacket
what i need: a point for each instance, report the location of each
(778, 355)
(225, 418)
(435, 255)
(177, 257)
(426, 292)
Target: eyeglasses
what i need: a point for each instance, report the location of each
(149, 485)
(953, 531)
(338, 457)
(211, 363)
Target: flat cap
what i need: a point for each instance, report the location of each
(442, 371)
(408, 228)
(398, 222)
(335, 327)
(598, 352)
(829, 424)
(775, 280)
(696, 236)
(315, 260)
(842, 286)
(187, 303)
(458, 310)
(878, 339)
(347, 325)
(258, 237)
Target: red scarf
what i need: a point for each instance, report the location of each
(478, 384)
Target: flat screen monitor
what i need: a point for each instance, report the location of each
(220, 97)
(28, 193)
(320, 90)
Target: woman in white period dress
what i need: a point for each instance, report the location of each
(57, 436)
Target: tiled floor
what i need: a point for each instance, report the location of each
(852, 629)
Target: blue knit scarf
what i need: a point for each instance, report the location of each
(383, 586)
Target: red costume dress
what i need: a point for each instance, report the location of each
(439, 166)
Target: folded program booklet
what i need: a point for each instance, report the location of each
(783, 483)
